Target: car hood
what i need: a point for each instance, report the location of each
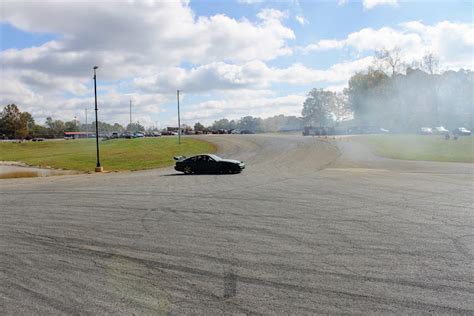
(231, 161)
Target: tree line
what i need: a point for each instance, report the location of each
(15, 124)
(278, 123)
(396, 96)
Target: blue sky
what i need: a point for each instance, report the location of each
(230, 58)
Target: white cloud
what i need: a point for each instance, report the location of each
(250, 75)
(128, 37)
(301, 20)
(452, 42)
(370, 4)
(323, 45)
(261, 103)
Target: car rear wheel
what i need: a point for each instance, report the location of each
(188, 170)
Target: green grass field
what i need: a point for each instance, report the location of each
(115, 155)
(421, 147)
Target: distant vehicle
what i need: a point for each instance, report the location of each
(220, 131)
(440, 130)
(246, 131)
(318, 131)
(236, 131)
(114, 135)
(38, 139)
(461, 131)
(426, 131)
(156, 134)
(368, 130)
(128, 135)
(139, 134)
(207, 164)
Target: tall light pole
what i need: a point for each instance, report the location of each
(87, 126)
(98, 168)
(179, 122)
(130, 115)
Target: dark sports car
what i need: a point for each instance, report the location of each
(207, 164)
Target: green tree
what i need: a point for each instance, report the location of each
(27, 124)
(14, 123)
(10, 121)
(250, 123)
(55, 128)
(117, 127)
(364, 92)
(71, 126)
(317, 107)
(223, 124)
(135, 127)
(339, 108)
(198, 127)
(58, 128)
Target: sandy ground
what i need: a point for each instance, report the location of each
(312, 226)
(13, 169)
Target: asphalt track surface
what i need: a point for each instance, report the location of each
(312, 226)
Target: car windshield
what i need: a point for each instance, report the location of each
(216, 158)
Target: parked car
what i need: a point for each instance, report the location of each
(355, 130)
(128, 135)
(461, 131)
(426, 131)
(440, 130)
(38, 139)
(207, 164)
(139, 134)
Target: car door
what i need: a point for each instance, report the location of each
(200, 164)
(212, 166)
(191, 162)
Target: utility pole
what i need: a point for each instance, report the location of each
(87, 126)
(130, 114)
(98, 168)
(179, 122)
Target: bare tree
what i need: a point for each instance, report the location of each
(390, 59)
(430, 63)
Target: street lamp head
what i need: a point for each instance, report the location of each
(95, 67)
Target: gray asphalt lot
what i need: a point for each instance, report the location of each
(312, 226)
